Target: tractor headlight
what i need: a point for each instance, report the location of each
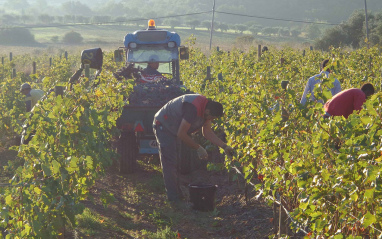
(132, 45)
(171, 44)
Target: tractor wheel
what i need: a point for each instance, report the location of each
(128, 151)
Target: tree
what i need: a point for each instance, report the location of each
(241, 28)
(100, 19)
(254, 29)
(82, 19)
(335, 37)
(295, 32)
(60, 19)
(120, 20)
(223, 27)
(206, 24)
(54, 39)
(8, 19)
(72, 38)
(284, 32)
(26, 18)
(45, 18)
(76, 8)
(172, 22)
(270, 30)
(16, 4)
(112, 8)
(17, 36)
(193, 23)
(353, 28)
(313, 31)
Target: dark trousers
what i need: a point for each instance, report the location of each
(169, 150)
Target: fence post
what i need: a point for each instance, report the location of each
(283, 220)
(87, 70)
(282, 61)
(220, 76)
(371, 63)
(10, 56)
(34, 67)
(66, 55)
(303, 53)
(50, 61)
(311, 48)
(217, 48)
(208, 72)
(13, 73)
(258, 52)
(275, 222)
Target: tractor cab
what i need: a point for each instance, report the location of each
(156, 51)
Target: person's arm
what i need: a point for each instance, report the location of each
(305, 94)
(209, 134)
(182, 134)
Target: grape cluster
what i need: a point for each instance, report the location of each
(156, 94)
(127, 72)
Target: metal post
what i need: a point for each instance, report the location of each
(282, 61)
(258, 52)
(367, 26)
(208, 72)
(87, 70)
(13, 73)
(212, 24)
(50, 61)
(303, 53)
(10, 56)
(66, 55)
(34, 67)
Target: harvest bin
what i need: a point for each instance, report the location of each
(202, 196)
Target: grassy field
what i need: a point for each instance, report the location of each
(110, 37)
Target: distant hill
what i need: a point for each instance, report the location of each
(262, 12)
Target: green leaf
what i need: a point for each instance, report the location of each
(37, 190)
(46, 170)
(56, 167)
(368, 219)
(8, 199)
(366, 120)
(369, 194)
(338, 236)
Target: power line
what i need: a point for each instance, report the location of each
(277, 19)
(100, 23)
(164, 17)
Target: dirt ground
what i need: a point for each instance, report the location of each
(140, 205)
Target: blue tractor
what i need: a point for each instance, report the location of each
(152, 59)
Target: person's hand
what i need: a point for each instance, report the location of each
(228, 151)
(202, 153)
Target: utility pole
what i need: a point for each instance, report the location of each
(212, 23)
(367, 26)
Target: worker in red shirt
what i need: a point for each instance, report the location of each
(345, 102)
